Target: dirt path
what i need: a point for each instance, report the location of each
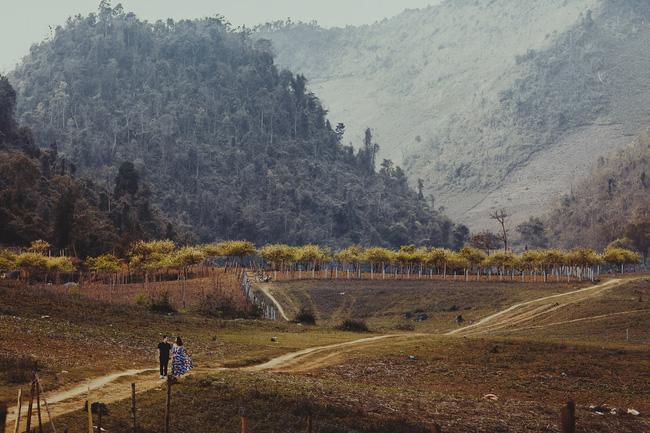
(303, 360)
(582, 319)
(264, 289)
(526, 311)
(114, 387)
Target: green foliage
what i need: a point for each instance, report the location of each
(7, 260)
(31, 262)
(306, 316)
(473, 256)
(60, 264)
(40, 198)
(231, 146)
(106, 263)
(278, 255)
(351, 325)
(220, 307)
(161, 304)
(621, 256)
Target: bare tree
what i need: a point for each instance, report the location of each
(501, 216)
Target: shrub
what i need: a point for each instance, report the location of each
(405, 326)
(161, 304)
(220, 307)
(351, 325)
(306, 316)
(17, 368)
(141, 300)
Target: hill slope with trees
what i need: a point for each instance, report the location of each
(612, 204)
(493, 103)
(231, 146)
(41, 197)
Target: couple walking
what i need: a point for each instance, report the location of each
(181, 359)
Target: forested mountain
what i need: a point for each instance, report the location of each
(613, 203)
(231, 146)
(493, 103)
(40, 197)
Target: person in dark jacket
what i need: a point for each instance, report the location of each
(164, 349)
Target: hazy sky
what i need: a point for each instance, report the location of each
(24, 22)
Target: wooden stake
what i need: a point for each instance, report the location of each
(3, 416)
(47, 407)
(168, 403)
(32, 391)
(244, 420)
(99, 418)
(133, 430)
(568, 418)
(38, 408)
(90, 412)
(309, 424)
(19, 406)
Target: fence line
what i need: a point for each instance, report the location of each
(268, 311)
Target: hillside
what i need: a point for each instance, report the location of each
(41, 197)
(231, 146)
(493, 103)
(612, 203)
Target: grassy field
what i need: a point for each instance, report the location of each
(402, 384)
(383, 304)
(72, 337)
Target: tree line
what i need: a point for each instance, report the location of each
(156, 259)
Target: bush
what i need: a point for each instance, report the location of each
(141, 300)
(351, 325)
(405, 326)
(220, 307)
(306, 316)
(162, 304)
(17, 368)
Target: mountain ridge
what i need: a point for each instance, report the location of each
(485, 98)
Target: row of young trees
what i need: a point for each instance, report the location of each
(160, 257)
(410, 260)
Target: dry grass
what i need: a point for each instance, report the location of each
(382, 304)
(73, 338)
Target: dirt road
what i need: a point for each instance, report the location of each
(115, 387)
(264, 289)
(525, 312)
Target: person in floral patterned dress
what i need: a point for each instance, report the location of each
(181, 360)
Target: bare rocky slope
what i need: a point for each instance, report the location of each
(493, 103)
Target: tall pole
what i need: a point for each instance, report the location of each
(19, 406)
(134, 428)
(168, 404)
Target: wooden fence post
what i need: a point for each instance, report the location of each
(28, 426)
(90, 413)
(309, 424)
(568, 418)
(47, 407)
(134, 428)
(3, 416)
(19, 406)
(244, 420)
(168, 403)
(99, 418)
(38, 409)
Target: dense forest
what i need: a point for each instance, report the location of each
(40, 197)
(231, 146)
